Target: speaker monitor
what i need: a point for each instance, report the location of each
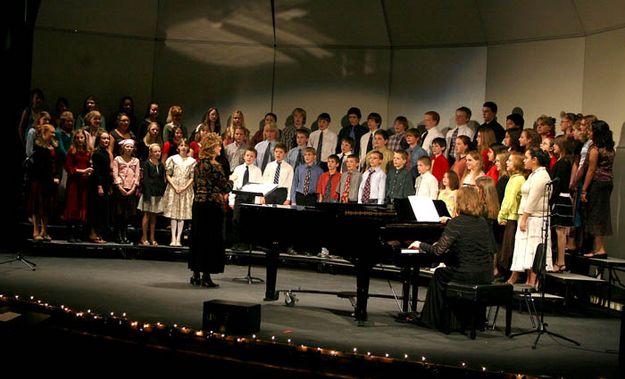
(232, 317)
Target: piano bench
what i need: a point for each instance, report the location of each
(477, 296)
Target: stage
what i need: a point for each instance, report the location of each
(152, 291)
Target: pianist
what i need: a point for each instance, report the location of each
(466, 252)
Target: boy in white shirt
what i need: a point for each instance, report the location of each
(240, 178)
(323, 140)
(283, 177)
(426, 184)
(373, 185)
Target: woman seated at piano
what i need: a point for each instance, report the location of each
(467, 254)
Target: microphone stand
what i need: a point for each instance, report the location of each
(541, 328)
(20, 258)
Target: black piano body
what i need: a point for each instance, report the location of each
(355, 232)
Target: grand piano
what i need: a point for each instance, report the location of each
(356, 232)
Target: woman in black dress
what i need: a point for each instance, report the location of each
(206, 253)
(468, 256)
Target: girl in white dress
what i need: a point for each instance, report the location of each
(178, 197)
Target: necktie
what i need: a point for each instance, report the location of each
(319, 147)
(352, 132)
(266, 157)
(345, 195)
(370, 143)
(277, 174)
(300, 157)
(366, 191)
(307, 180)
(423, 136)
(246, 176)
(327, 196)
(452, 143)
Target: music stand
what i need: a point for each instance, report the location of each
(249, 278)
(540, 267)
(253, 189)
(20, 258)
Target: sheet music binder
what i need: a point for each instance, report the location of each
(256, 189)
(407, 212)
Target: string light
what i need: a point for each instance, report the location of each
(147, 328)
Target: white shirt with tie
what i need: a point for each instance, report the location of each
(364, 141)
(329, 142)
(377, 185)
(463, 130)
(427, 142)
(286, 175)
(256, 176)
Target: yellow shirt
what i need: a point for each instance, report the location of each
(509, 209)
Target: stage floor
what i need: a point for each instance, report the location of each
(158, 291)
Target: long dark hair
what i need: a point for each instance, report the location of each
(540, 155)
(602, 135)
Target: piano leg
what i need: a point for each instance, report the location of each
(414, 282)
(272, 259)
(363, 275)
(406, 279)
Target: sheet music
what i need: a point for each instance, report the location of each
(424, 209)
(412, 251)
(257, 189)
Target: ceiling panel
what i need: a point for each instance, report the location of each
(509, 21)
(597, 15)
(128, 18)
(330, 22)
(234, 21)
(434, 23)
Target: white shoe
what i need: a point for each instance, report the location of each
(439, 266)
(325, 253)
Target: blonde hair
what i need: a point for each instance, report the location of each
(502, 158)
(487, 138)
(85, 147)
(39, 140)
(208, 144)
(173, 109)
(159, 137)
(486, 186)
(517, 164)
(468, 202)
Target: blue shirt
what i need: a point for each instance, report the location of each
(300, 176)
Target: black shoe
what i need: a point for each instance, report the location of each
(207, 282)
(123, 237)
(360, 315)
(195, 279)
